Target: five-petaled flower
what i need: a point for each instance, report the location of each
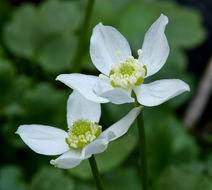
(84, 137)
(122, 73)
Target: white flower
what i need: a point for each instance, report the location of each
(84, 136)
(122, 73)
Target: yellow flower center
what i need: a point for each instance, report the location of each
(81, 133)
(128, 73)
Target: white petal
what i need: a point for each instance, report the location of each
(160, 91)
(105, 42)
(80, 108)
(84, 84)
(95, 147)
(69, 159)
(121, 127)
(155, 46)
(44, 139)
(115, 95)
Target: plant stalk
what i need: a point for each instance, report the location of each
(142, 149)
(82, 38)
(95, 172)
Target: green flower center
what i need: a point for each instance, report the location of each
(126, 69)
(81, 133)
(127, 74)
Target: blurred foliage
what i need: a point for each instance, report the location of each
(177, 146)
(44, 34)
(183, 177)
(11, 177)
(111, 158)
(38, 42)
(49, 178)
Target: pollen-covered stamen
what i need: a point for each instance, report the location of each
(81, 133)
(129, 73)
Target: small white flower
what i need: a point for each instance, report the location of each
(122, 73)
(84, 136)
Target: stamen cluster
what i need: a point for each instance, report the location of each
(127, 74)
(81, 133)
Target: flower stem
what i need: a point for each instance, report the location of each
(95, 172)
(142, 149)
(81, 41)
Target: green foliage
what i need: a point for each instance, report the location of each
(44, 34)
(42, 100)
(122, 179)
(114, 155)
(208, 166)
(13, 105)
(11, 178)
(168, 142)
(183, 177)
(7, 76)
(50, 178)
(184, 29)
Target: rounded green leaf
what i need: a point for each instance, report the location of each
(44, 34)
(51, 179)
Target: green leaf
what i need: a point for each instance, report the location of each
(44, 104)
(44, 34)
(7, 79)
(21, 85)
(13, 107)
(183, 178)
(107, 9)
(56, 51)
(19, 35)
(183, 31)
(122, 179)
(58, 17)
(11, 178)
(7, 76)
(167, 141)
(51, 178)
(111, 158)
